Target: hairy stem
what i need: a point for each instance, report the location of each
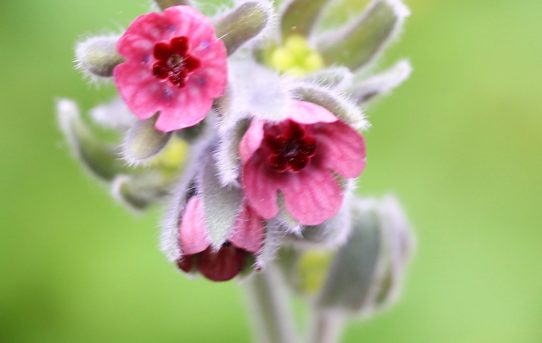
(326, 327)
(269, 310)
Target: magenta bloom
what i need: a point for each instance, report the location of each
(300, 157)
(228, 261)
(174, 64)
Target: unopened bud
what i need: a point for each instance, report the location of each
(300, 16)
(142, 142)
(98, 56)
(358, 43)
(99, 157)
(367, 272)
(243, 23)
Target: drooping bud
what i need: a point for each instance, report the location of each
(98, 156)
(209, 228)
(142, 142)
(98, 56)
(243, 24)
(361, 41)
(367, 273)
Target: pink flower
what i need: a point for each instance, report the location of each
(174, 64)
(300, 157)
(228, 261)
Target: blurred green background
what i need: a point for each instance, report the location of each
(460, 143)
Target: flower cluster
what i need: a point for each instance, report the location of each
(247, 122)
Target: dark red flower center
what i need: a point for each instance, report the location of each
(289, 144)
(221, 265)
(173, 62)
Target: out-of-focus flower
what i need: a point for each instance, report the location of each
(232, 257)
(174, 64)
(300, 157)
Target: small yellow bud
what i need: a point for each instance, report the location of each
(173, 155)
(313, 62)
(312, 268)
(282, 59)
(297, 45)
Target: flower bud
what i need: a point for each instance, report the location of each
(98, 56)
(243, 23)
(358, 43)
(99, 157)
(211, 229)
(296, 57)
(366, 274)
(300, 16)
(142, 142)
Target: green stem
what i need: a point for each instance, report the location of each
(268, 301)
(326, 327)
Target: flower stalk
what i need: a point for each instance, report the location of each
(326, 328)
(268, 303)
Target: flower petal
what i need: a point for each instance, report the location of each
(312, 195)
(138, 41)
(193, 233)
(222, 265)
(260, 186)
(305, 112)
(139, 90)
(251, 140)
(187, 21)
(248, 233)
(341, 148)
(189, 108)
